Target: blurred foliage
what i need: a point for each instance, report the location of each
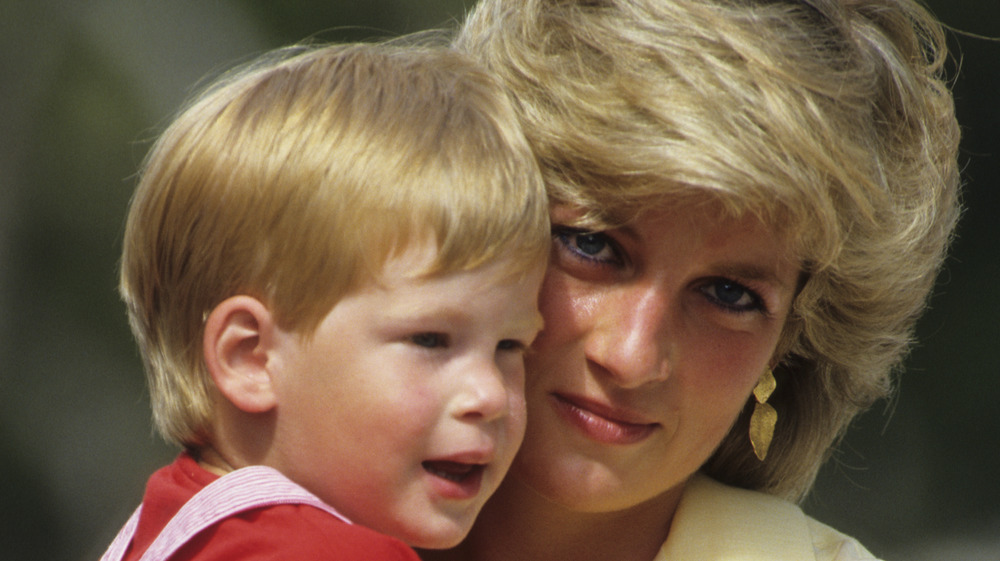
(85, 85)
(352, 21)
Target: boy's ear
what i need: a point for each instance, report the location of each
(239, 334)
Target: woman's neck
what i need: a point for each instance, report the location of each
(517, 524)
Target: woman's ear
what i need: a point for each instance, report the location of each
(239, 335)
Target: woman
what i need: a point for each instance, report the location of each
(740, 188)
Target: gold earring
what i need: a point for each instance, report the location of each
(764, 416)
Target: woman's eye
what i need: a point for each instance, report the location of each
(592, 246)
(732, 295)
(429, 340)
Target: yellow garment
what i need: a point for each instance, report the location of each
(715, 522)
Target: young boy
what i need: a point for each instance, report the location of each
(331, 266)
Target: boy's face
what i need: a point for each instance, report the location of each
(406, 406)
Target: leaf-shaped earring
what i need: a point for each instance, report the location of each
(764, 416)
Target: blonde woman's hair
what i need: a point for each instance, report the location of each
(294, 179)
(828, 119)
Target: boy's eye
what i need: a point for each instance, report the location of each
(430, 340)
(510, 345)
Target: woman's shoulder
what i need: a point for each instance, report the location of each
(715, 521)
(831, 545)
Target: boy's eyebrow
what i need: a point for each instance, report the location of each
(455, 313)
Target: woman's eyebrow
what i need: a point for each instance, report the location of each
(755, 272)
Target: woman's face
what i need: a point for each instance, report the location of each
(655, 335)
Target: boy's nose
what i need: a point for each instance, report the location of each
(485, 395)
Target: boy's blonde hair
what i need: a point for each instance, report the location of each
(828, 119)
(295, 179)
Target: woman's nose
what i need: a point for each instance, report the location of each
(630, 339)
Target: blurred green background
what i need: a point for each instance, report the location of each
(86, 84)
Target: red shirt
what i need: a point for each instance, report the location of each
(283, 532)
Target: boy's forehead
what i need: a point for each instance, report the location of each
(445, 296)
(420, 260)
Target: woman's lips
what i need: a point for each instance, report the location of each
(602, 423)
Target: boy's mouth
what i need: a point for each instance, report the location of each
(453, 471)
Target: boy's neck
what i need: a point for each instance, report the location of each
(517, 524)
(212, 461)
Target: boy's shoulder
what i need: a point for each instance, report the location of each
(291, 532)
